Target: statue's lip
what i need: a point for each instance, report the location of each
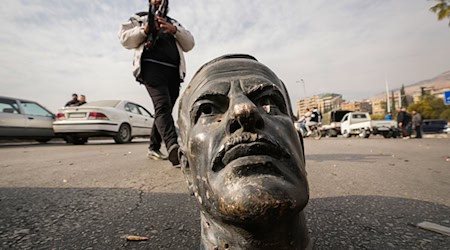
(247, 146)
(254, 148)
(255, 165)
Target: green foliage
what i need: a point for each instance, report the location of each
(445, 115)
(393, 108)
(430, 107)
(442, 9)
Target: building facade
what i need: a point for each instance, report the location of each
(323, 102)
(357, 106)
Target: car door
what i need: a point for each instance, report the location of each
(148, 120)
(39, 121)
(12, 122)
(136, 119)
(345, 123)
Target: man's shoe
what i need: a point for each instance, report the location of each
(173, 154)
(156, 155)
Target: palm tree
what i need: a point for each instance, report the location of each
(442, 8)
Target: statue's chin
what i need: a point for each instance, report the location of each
(256, 203)
(257, 188)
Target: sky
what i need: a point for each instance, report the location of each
(50, 49)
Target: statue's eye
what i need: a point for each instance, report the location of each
(271, 104)
(207, 108)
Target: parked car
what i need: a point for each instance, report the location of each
(122, 120)
(386, 128)
(434, 126)
(360, 123)
(447, 129)
(331, 124)
(24, 119)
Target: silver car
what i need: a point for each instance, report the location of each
(120, 119)
(24, 119)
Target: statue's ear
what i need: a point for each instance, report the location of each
(186, 169)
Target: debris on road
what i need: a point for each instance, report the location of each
(434, 227)
(136, 238)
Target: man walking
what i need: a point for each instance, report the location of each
(417, 123)
(404, 123)
(161, 67)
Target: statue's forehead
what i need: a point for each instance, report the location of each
(216, 79)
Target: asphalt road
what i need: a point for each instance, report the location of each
(365, 194)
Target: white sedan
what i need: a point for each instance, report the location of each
(122, 120)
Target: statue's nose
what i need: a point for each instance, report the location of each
(245, 115)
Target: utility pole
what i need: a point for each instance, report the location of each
(388, 105)
(393, 103)
(304, 86)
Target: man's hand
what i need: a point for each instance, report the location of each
(166, 26)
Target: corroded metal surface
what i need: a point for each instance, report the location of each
(242, 157)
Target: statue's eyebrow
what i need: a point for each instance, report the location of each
(220, 100)
(210, 94)
(262, 87)
(218, 88)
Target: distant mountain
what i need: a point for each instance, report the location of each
(440, 81)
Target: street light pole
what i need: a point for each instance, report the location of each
(304, 86)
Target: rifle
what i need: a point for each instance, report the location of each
(153, 26)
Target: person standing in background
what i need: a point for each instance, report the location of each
(82, 100)
(73, 102)
(404, 120)
(388, 116)
(417, 123)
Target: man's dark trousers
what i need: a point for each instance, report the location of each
(418, 131)
(163, 85)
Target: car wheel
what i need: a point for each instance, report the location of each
(388, 135)
(345, 134)
(395, 134)
(364, 134)
(331, 133)
(76, 140)
(123, 135)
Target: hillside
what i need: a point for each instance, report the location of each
(440, 81)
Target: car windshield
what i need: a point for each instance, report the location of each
(104, 103)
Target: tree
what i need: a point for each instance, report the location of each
(442, 9)
(393, 109)
(430, 107)
(403, 97)
(445, 115)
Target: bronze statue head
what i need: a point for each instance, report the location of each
(240, 153)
